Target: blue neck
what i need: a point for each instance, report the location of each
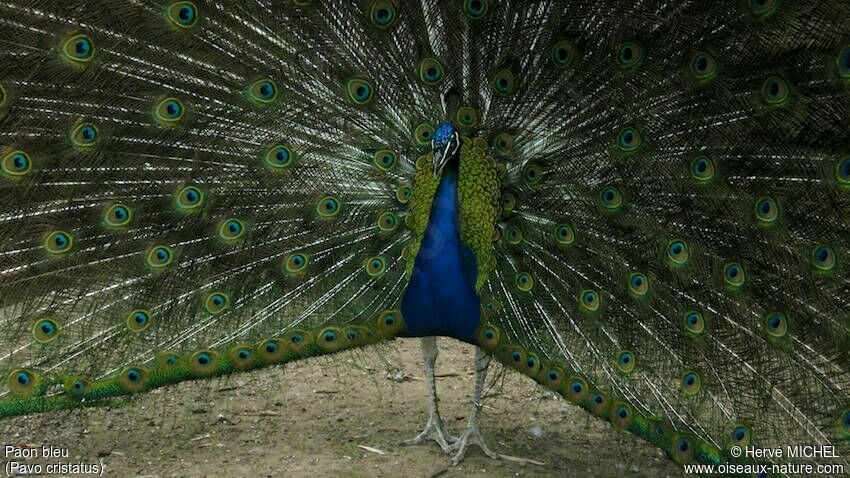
(440, 298)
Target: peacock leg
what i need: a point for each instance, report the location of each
(434, 428)
(472, 434)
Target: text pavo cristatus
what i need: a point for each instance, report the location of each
(642, 206)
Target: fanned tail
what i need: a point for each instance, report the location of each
(674, 222)
(190, 192)
(198, 189)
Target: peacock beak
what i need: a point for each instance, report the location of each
(442, 156)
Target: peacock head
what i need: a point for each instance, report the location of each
(445, 144)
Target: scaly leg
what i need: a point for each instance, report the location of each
(472, 434)
(434, 428)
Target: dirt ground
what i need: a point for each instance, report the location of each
(312, 418)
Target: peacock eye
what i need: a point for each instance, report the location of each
(823, 258)
(775, 91)
(740, 434)
(134, 375)
(278, 158)
(189, 199)
(58, 242)
(629, 140)
(514, 235)
(45, 330)
(217, 302)
(532, 174)
(504, 143)
(504, 82)
(638, 284)
(384, 159)
(169, 112)
(360, 91)
(403, 194)
(524, 281)
(734, 275)
(263, 91)
(475, 9)
(375, 266)
(702, 169)
(328, 207)
(611, 198)
(776, 325)
(204, 362)
(16, 164)
(691, 383)
(677, 252)
(466, 117)
(387, 222)
(589, 301)
(84, 135)
(138, 320)
(382, 13)
(183, 14)
(20, 162)
(564, 234)
(296, 263)
(423, 133)
(508, 202)
(78, 49)
(563, 53)
(22, 382)
(767, 211)
(630, 54)
(626, 362)
(431, 71)
(159, 257)
(231, 229)
(703, 66)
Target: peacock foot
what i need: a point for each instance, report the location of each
(434, 430)
(472, 435)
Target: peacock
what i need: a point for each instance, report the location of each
(642, 206)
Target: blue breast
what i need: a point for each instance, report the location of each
(440, 298)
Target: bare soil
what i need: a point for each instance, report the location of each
(310, 418)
